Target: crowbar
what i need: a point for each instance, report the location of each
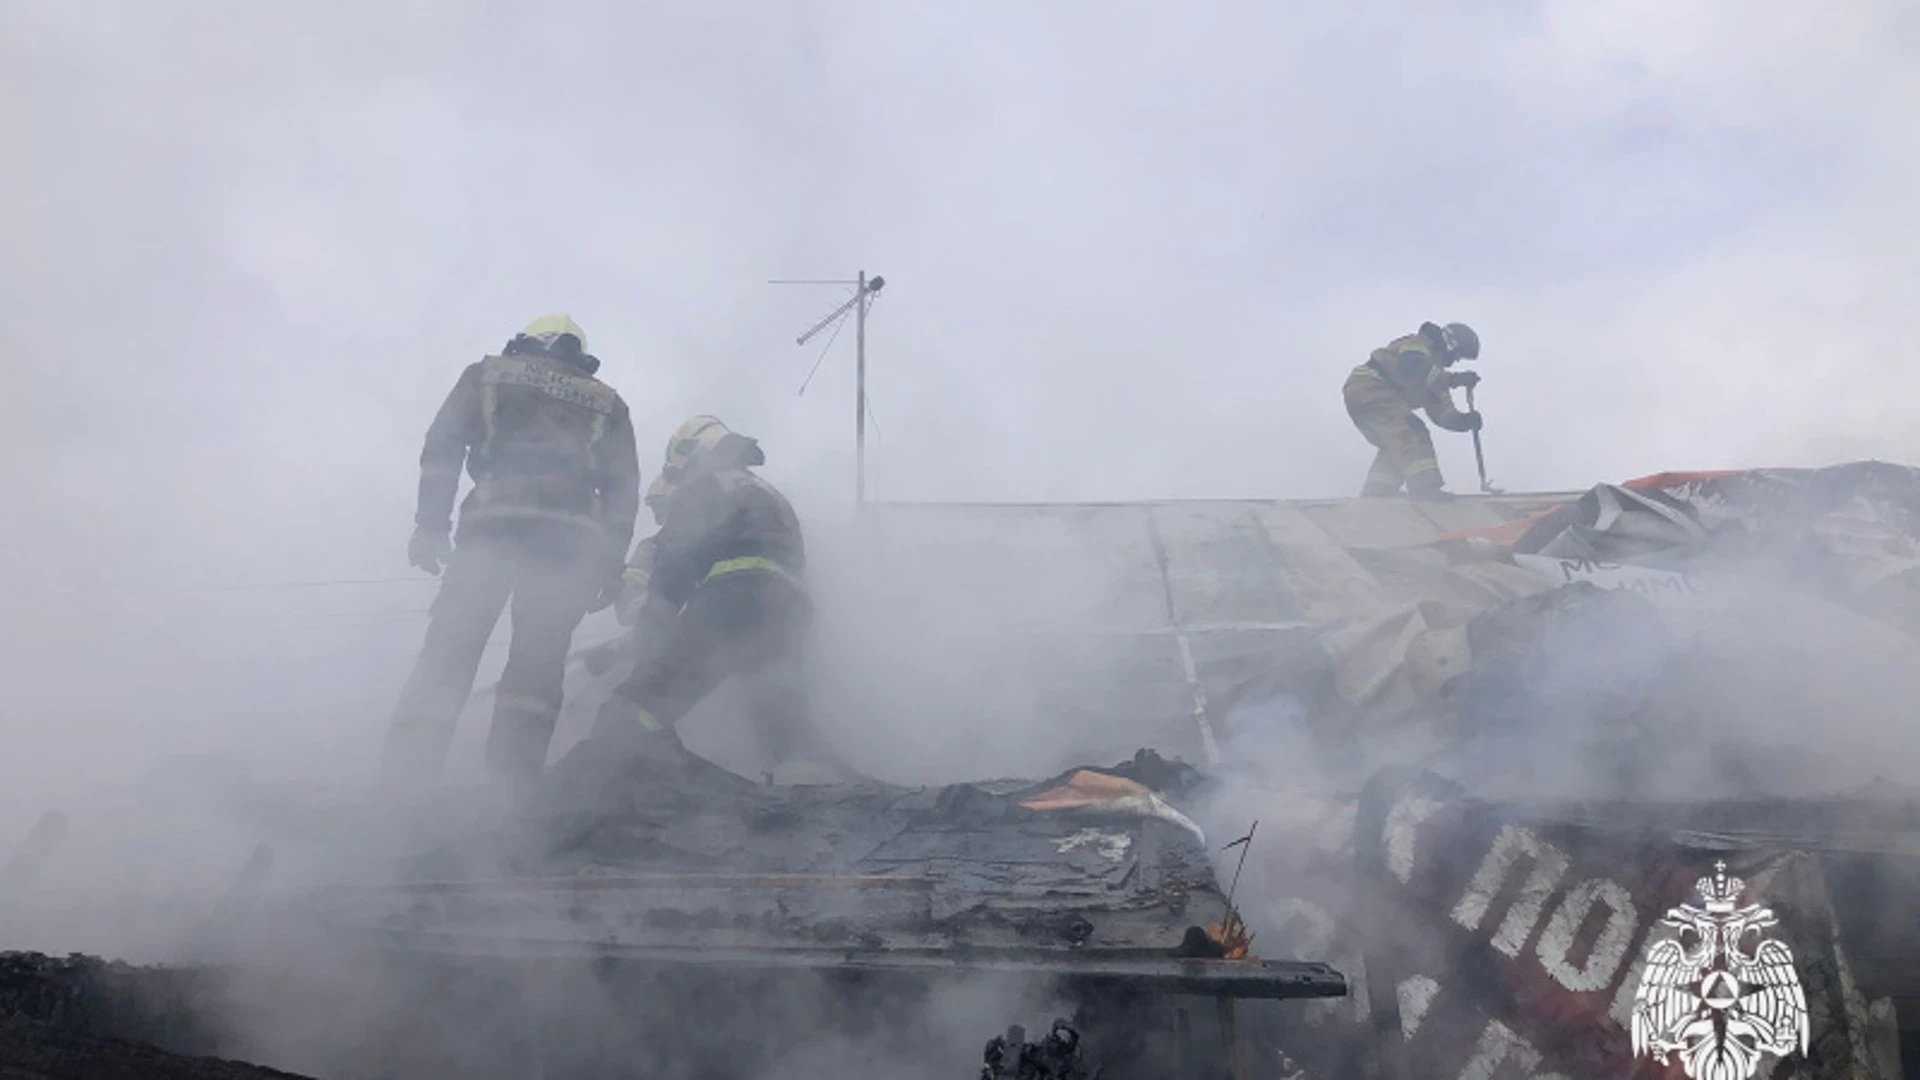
(1479, 457)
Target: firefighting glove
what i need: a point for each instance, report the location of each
(429, 549)
(1470, 421)
(633, 596)
(1463, 380)
(634, 579)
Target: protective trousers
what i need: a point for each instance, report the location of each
(749, 624)
(551, 577)
(1405, 446)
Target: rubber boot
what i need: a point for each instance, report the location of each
(518, 742)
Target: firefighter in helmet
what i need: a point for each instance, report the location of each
(556, 488)
(1407, 375)
(720, 591)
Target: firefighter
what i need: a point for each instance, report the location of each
(720, 591)
(1407, 375)
(556, 488)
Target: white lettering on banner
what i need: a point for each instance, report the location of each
(1522, 864)
(1609, 950)
(1406, 816)
(1622, 1011)
(1549, 865)
(1415, 996)
(1498, 1044)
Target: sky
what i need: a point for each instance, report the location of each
(1132, 250)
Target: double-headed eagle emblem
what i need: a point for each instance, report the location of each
(1703, 1000)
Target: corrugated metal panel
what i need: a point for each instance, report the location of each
(1103, 621)
(1322, 574)
(1288, 527)
(1097, 569)
(1460, 515)
(1222, 565)
(1373, 522)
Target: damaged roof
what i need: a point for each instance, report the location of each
(1150, 623)
(1091, 875)
(1142, 621)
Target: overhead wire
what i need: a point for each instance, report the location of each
(399, 613)
(828, 347)
(260, 586)
(365, 654)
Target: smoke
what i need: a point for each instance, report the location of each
(405, 1015)
(1129, 257)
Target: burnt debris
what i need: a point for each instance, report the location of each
(81, 1018)
(1054, 1056)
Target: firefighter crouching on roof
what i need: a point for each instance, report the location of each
(719, 591)
(556, 489)
(1407, 375)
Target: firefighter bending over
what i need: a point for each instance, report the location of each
(556, 490)
(718, 592)
(1407, 375)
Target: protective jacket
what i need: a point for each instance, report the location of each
(725, 596)
(1412, 369)
(543, 440)
(718, 523)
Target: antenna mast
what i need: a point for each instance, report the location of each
(865, 289)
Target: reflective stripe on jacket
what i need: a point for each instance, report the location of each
(753, 563)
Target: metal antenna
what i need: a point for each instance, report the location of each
(865, 289)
